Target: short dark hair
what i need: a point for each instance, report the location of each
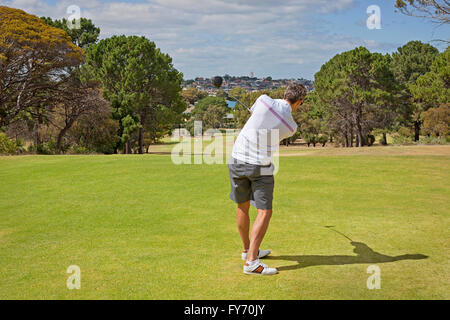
(295, 92)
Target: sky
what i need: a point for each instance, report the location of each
(277, 38)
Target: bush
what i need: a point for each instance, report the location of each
(76, 149)
(46, 148)
(398, 139)
(311, 139)
(432, 140)
(9, 146)
(405, 132)
(323, 140)
(294, 137)
(370, 140)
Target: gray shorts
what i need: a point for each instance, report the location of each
(251, 182)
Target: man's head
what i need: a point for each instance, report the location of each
(295, 94)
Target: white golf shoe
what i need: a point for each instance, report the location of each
(261, 254)
(258, 268)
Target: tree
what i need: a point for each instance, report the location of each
(82, 37)
(433, 88)
(202, 106)
(410, 62)
(213, 117)
(78, 99)
(34, 63)
(192, 95)
(351, 87)
(138, 80)
(436, 10)
(312, 120)
(237, 92)
(95, 131)
(432, 93)
(436, 121)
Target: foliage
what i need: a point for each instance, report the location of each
(214, 116)
(436, 121)
(138, 80)
(95, 132)
(354, 90)
(34, 58)
(398, 139)
(210, 110)
(82, 37)
(405, 132)
(433, 88)
(412, 60)
(192, 95)
(436, 10)
(9, 146)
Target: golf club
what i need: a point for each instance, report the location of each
(217, 82)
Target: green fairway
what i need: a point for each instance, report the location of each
(140, 227)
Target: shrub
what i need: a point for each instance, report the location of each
(432, 140)
(398, 139)
(370, 140)
(311, 139)
(9, 146)
(76, 149)
(405, 132)
(323, 140)
(42, 149)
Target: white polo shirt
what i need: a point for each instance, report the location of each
(271, 121)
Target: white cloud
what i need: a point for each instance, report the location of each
(207, 37)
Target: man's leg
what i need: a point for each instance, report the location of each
(258, 232)
(243, 223)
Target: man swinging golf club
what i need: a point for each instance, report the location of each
(251, 170)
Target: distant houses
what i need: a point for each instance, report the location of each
(248, 83)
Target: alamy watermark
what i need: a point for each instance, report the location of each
(215, 147)
(74, 280)
(374, 20)
(74, 18)
(374, 281)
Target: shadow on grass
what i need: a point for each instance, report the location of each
(364, 254)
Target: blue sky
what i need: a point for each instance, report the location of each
(278, 38)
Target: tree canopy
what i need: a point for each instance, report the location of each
(139, 81)
(34, 58)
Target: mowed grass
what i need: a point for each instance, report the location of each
(140, 227)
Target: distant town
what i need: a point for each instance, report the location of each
(249, 83)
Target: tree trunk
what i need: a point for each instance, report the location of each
(416, 130)
(141, 140)
(61, 135)
(384, 140)
(359, 138)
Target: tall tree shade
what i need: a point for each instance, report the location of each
(410, 62)
(436, 10)
(139, 81)
(34, 58)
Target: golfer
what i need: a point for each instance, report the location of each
(251, 170)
